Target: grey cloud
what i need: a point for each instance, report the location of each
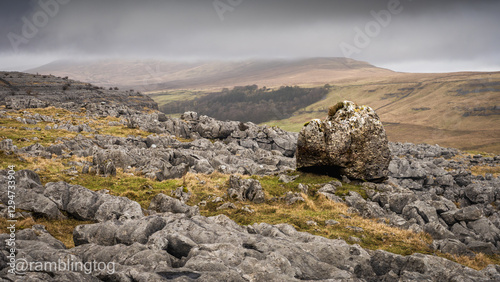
(424, 30)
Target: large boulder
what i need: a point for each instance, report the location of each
(351, 141)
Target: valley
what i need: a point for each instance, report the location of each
(460, 110)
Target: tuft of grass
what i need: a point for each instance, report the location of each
(121, 131)
(346, 188)
(478, 262)
(274, 188)
(62, 230)
(375, 235)
(12, 159)
(475, 152)
(482, 170)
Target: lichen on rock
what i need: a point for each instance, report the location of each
(351, 141)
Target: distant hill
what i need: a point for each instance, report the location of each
(460, 110)
(151, 75)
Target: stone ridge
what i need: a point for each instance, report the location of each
(22, 90)
(209, 145)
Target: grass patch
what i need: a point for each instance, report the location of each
(12, 159)
(319, 209)
(274, 188)
(62, 230)
(346, 188)
(122, 131)
(475, 152)
(23, 135)
(482, 170)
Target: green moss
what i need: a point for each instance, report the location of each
(346, 188)
(274, 188)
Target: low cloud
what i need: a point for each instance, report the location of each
(424, 31)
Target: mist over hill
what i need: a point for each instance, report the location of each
(154, 75)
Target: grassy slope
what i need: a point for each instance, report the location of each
(401, 111)
(417, 108)
(376, 234)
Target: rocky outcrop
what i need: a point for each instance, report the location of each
(193, 126)
(351, 141)
(431, 189)
(184, 145)
(22, 91)
(54, 198)
(185, 247)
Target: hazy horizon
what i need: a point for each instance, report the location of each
(406, 36)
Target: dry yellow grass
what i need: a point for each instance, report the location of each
(482, 170)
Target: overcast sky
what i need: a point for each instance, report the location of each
(415, 36)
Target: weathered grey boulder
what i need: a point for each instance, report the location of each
(485, 229)
(365, 208)
(28, 194)
(351, 141)
(470, 213)
(404, 168)
(480, 193)
(291, 198)
(163, 203)
(482, 247)
(177, 171)
(245, 189)
(451, 246)
(113, 207)
(113, 232)
(180, 194)
(85, 204)
(7, 145)
(438, 231)
(329, 190)
(396, 201)
(421, 211)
